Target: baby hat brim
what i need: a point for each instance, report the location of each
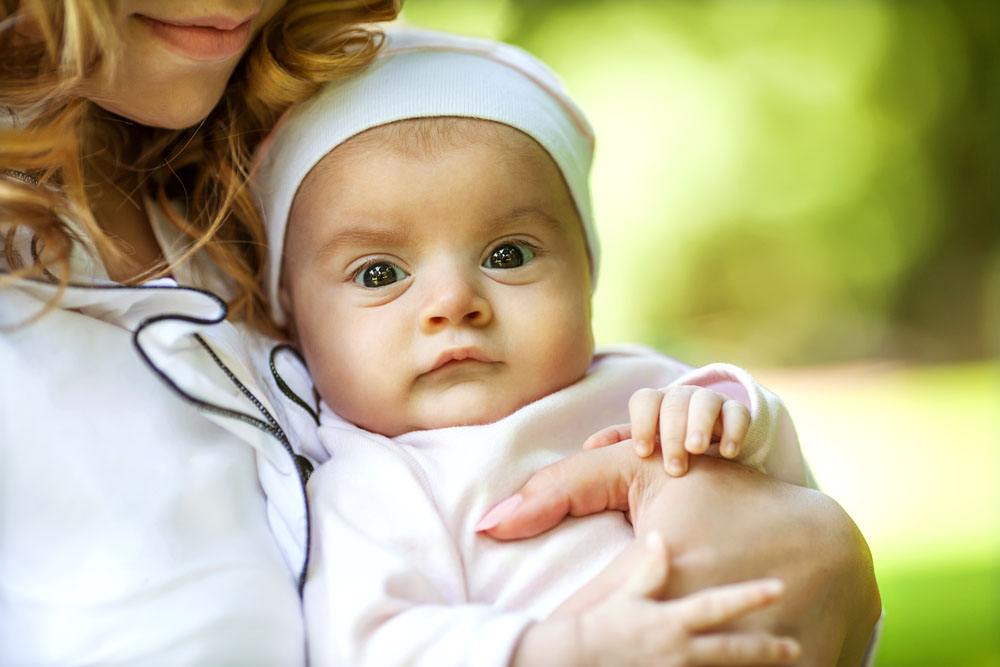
(421, 74)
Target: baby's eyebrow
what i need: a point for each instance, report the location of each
(380, 237)
(520, 213)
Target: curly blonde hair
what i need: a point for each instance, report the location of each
(42, 84)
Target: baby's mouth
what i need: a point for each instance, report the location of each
(457, 358)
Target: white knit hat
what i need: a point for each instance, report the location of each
(420, 74)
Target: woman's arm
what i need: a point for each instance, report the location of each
(724, 523)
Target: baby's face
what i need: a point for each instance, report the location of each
(437, 278)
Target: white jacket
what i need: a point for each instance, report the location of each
(151, 509)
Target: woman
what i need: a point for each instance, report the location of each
(151, 506)
(151, 510)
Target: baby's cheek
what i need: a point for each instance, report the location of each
(575, 361)
(563, 361)
(329, 379)
(366, 380)
(573, 344)
(333, 361)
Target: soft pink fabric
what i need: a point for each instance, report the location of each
(400, 575)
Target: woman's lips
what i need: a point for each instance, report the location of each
(201, 39)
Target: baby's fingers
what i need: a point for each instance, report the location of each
(743, 649)
(703, 413)
(713, 607)
(608, 436)
(735, 424)
(673, 428)
(643, 411)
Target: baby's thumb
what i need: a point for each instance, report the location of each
(649, 579)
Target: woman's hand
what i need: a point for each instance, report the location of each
(724, 523)
(633, 626)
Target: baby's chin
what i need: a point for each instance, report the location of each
(451, 401)
(470, 405)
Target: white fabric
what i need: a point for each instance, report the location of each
(399, 575)
(134, 527)
(423, 74)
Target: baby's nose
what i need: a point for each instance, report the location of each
(457, 302)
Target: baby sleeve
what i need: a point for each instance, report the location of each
(771, 444)
(386, 583)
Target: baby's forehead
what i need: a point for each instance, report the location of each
(357, 182)
(427, 138)
(358, 169)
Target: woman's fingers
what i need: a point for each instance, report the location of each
(711, 608)
(585, 483)
(673, 428)
(649, 579)
(643, 411)
(703, 414)
(736, 423)
(743, 649)
(608, 436)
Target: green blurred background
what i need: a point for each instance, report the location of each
(811, 189)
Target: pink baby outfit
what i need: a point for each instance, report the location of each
(399, 574)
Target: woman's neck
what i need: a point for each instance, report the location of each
(117, 205)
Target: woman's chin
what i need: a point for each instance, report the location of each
(166, 115)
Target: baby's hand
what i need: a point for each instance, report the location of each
(689, 419)
(634, 626)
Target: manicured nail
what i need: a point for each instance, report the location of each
(790, 649)
(729, 449)
(500, 511)
(675, 467)
(642, 448)
(774, 586)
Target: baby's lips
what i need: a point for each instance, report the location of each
(464, 353)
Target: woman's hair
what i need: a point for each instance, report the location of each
(43, 79)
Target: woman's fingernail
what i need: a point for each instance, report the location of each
(675, 467)
(790, 649)
(642, 448)
(694, 440)
(774, 586)
(729, 449)
(500, 511)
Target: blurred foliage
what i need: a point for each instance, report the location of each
(943, 614)
(911, 453)
(782, 182)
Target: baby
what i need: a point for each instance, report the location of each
(433, 255)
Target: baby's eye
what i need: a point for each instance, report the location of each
(379, 274)
(509, 256)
